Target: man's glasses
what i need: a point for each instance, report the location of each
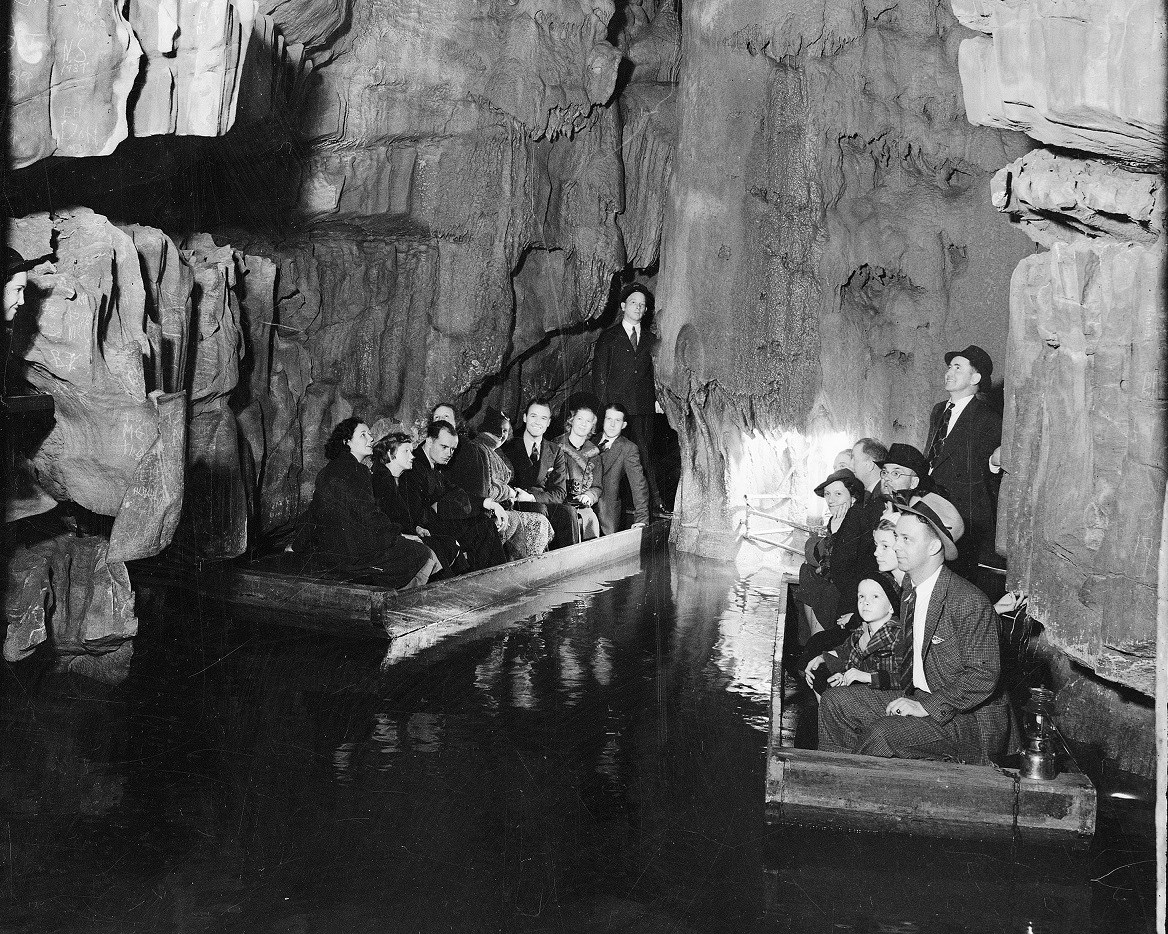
(897, 474)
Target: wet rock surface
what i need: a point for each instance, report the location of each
(828, 238)
(1086, 406)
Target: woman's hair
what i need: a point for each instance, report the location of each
(384, 450)
(342, 433)
(582, 407)
(494, 422)
(386, 447)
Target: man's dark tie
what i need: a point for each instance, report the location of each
(942, 433)
(604, 445)
(535, 456)
(908, 606)
(633, 338)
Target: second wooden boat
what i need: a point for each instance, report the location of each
(271, 591)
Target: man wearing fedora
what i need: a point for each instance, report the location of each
(963, 434)
(904, 472)
(949, 705)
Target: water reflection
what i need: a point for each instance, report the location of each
(594, 765)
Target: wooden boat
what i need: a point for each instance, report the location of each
(940, 799)
(269, 589)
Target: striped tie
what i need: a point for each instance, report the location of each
(942, 434)
(908, 605)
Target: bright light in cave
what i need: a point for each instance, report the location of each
(774, 473)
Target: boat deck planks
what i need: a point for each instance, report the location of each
(342, 608)
(945, 799)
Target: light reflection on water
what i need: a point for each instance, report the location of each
(592, 760)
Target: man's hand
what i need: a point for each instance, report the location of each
(586, 498)
(422, 533)
(637, 525)
(842, 622)
(905, 707)
(412, 538)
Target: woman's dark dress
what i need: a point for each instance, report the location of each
(352, 535)
(832, 594)
(396, 500)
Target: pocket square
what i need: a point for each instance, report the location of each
(937, 640)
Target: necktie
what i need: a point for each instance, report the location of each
(942, 433)
(633, 338)
(604, 445)
(535, 455)
(908, 605)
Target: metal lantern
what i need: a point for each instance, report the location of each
(1038, 758)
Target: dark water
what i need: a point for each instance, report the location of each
(596, 768)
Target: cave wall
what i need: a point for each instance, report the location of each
(829, 236)
(310, 209)
(1083, 443)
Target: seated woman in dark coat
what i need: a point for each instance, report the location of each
(348, 530)
(842, 558)
(393, 455)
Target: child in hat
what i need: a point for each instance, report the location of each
(871, 649)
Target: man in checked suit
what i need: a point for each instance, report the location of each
(964, 432)
(541, 470)
(620, 459)
(622, 371)
(950, 706)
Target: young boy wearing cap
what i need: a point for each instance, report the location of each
(871, 654)
(951, 706)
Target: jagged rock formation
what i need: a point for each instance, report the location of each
(1086, 406)
(84, 76)
(1085, 75)
(108, 339)
(827, 240)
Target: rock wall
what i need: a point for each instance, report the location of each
(1084, 431)
(427, 209)
(828, 237)
(107, 332)
(85, 76)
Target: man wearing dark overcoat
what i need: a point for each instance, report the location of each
(472, 524)
(622, 371)
(964, 432)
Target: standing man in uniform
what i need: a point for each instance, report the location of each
(964, 432)
(622, 371)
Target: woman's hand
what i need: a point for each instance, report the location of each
(412, 538)
(422, 533)
(851, 676)
(522, 496)
(837, 511)
(842, 622)
(809, 671)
